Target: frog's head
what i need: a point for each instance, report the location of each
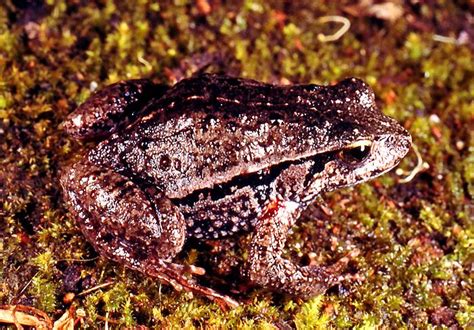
(364, 143)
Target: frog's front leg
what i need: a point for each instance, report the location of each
(132, 224)
(267, 268)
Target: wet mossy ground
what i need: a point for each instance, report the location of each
(416, 238)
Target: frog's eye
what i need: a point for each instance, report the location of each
(356, 153)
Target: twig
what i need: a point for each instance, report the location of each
(79, 260)
(346, 24)
(107, 320)
(97, 287)
(444, 39)
(420, 166)
(24, 288)
(143, 61)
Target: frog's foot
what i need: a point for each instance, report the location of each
(326, 277)
(267, 268)
(175, 275)
(340, 265)
(126, 224)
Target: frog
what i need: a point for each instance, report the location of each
(216, 157)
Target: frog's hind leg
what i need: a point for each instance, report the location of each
(266, 266)
(112, 107)
(124, 223)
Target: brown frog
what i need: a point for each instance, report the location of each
(216, 156)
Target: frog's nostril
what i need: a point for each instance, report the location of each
(406, 145)
(403, 143)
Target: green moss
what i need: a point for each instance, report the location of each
(468, 172)
(45, 292)
(91, 304)
(415, 47)
(431, 217)
(44, 262)
(310, 315)
(43, 286)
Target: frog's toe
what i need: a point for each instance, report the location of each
(195, 270)
(174, 274)
(342, 263)
(325, 277)
(187, 269)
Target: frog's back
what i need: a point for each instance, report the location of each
(209, 129)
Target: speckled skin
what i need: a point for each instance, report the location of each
(215, 156)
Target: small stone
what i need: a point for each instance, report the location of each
(312, 258)
(434, 119)
(93, 86)
(80, 312)
(68, 297)
(203, 7)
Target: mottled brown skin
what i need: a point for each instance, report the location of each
(215, 156)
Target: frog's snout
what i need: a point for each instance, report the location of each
(391, 149)
(403, 142)
(407, 142)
